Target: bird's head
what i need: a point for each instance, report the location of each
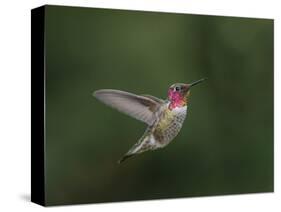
(179, 92)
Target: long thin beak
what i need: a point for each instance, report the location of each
(196, 82)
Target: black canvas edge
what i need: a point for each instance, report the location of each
(38, 105)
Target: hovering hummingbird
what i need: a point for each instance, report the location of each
(163, 117)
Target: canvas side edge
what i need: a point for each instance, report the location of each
(38, 105)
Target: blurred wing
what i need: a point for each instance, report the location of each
(156, 99)
(138, 107)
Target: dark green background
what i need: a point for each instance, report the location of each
(226, 143)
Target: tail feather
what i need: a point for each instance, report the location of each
(125, 157)
(141, 146)
(133, 151)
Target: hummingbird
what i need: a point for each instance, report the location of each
(164, 118)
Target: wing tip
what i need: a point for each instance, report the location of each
(95, 93)
(101, 92)
(98, 92)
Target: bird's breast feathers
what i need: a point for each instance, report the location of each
(170, 116)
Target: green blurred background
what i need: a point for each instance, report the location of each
(226, 143)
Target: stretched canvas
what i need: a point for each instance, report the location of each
(116, 115)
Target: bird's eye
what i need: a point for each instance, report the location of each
(177, 88)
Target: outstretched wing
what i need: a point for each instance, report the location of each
(156, 99)
(136, 106)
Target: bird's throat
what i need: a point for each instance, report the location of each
(177, 103)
